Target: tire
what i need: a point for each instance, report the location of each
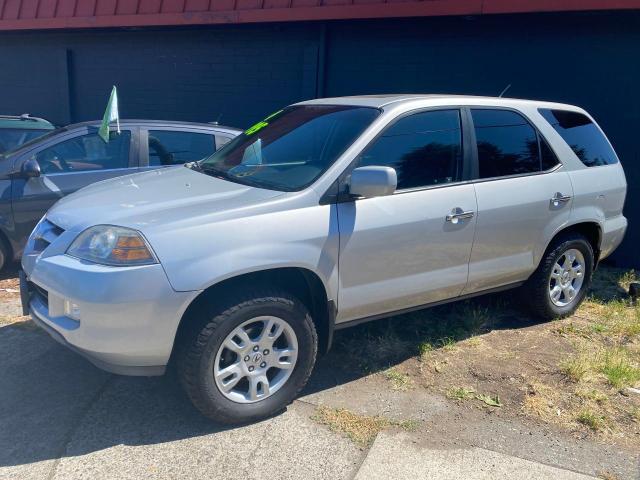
(5, 258)
(203, 351)
(537, 291)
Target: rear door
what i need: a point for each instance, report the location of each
(524, 196)
(172, 145)
(68, 164)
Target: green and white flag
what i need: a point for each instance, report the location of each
(110, 114)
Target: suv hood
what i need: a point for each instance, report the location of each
(157, 198)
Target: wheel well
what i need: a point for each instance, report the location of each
(300, 282)
(591, 231)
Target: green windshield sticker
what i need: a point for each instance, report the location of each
(272, 115)
(261, 124)
(257, 127)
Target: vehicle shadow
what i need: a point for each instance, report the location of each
(56, 404)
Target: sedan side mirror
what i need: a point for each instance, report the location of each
(31, 168)
(370, 182)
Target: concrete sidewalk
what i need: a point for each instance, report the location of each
(399, 456)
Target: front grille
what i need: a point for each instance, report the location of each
(44, 235)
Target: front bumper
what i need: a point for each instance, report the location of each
(128, 315)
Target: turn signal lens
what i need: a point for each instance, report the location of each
(110, 245)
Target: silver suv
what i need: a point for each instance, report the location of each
(238, 268)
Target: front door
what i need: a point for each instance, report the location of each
(410, 248)
(66, 166)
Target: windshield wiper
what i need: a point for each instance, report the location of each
(214, 172)
(194, 166)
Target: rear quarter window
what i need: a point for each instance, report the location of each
(582, 135)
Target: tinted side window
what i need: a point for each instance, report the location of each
(507, 143)
(585, 139)
(87, 152)
(548, 157)
(424, 149)
(168, 147)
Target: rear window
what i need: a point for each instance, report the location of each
(582, 135)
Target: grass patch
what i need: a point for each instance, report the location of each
(491, 400)
(593, 395)
(360, 429)
(461, 393)
(424, 349)
(447, 343)
(619, 369)
(575, 368)
(592, 420)
(399, 381)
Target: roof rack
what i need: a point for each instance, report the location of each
(23, 117)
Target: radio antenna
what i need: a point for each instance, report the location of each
(504, 91)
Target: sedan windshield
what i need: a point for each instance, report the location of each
(290, 149)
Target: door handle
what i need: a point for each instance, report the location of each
(559, 198)
(458, 214)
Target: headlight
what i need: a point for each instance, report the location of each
(110, 245)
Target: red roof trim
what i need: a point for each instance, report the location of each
(55, 14)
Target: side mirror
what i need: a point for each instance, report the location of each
(30, 169)
(370, 182)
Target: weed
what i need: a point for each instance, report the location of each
(399, 381)
(575, 368)
(447, 343)
(619, 369)
(491, 400)
(592, 420)
(460, 393)
(425, 348)
(593, 395)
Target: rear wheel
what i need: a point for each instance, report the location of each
(562, 279)
(248, 358)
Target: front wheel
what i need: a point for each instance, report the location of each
(562, 279)
(249, 357)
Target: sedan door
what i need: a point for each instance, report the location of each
(68, 164)
(410, 248)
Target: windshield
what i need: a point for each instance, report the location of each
(12, 138)
(290, 149)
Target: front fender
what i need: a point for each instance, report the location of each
(198, 256)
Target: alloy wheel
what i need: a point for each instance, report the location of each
(567, 277)
(256, 359)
